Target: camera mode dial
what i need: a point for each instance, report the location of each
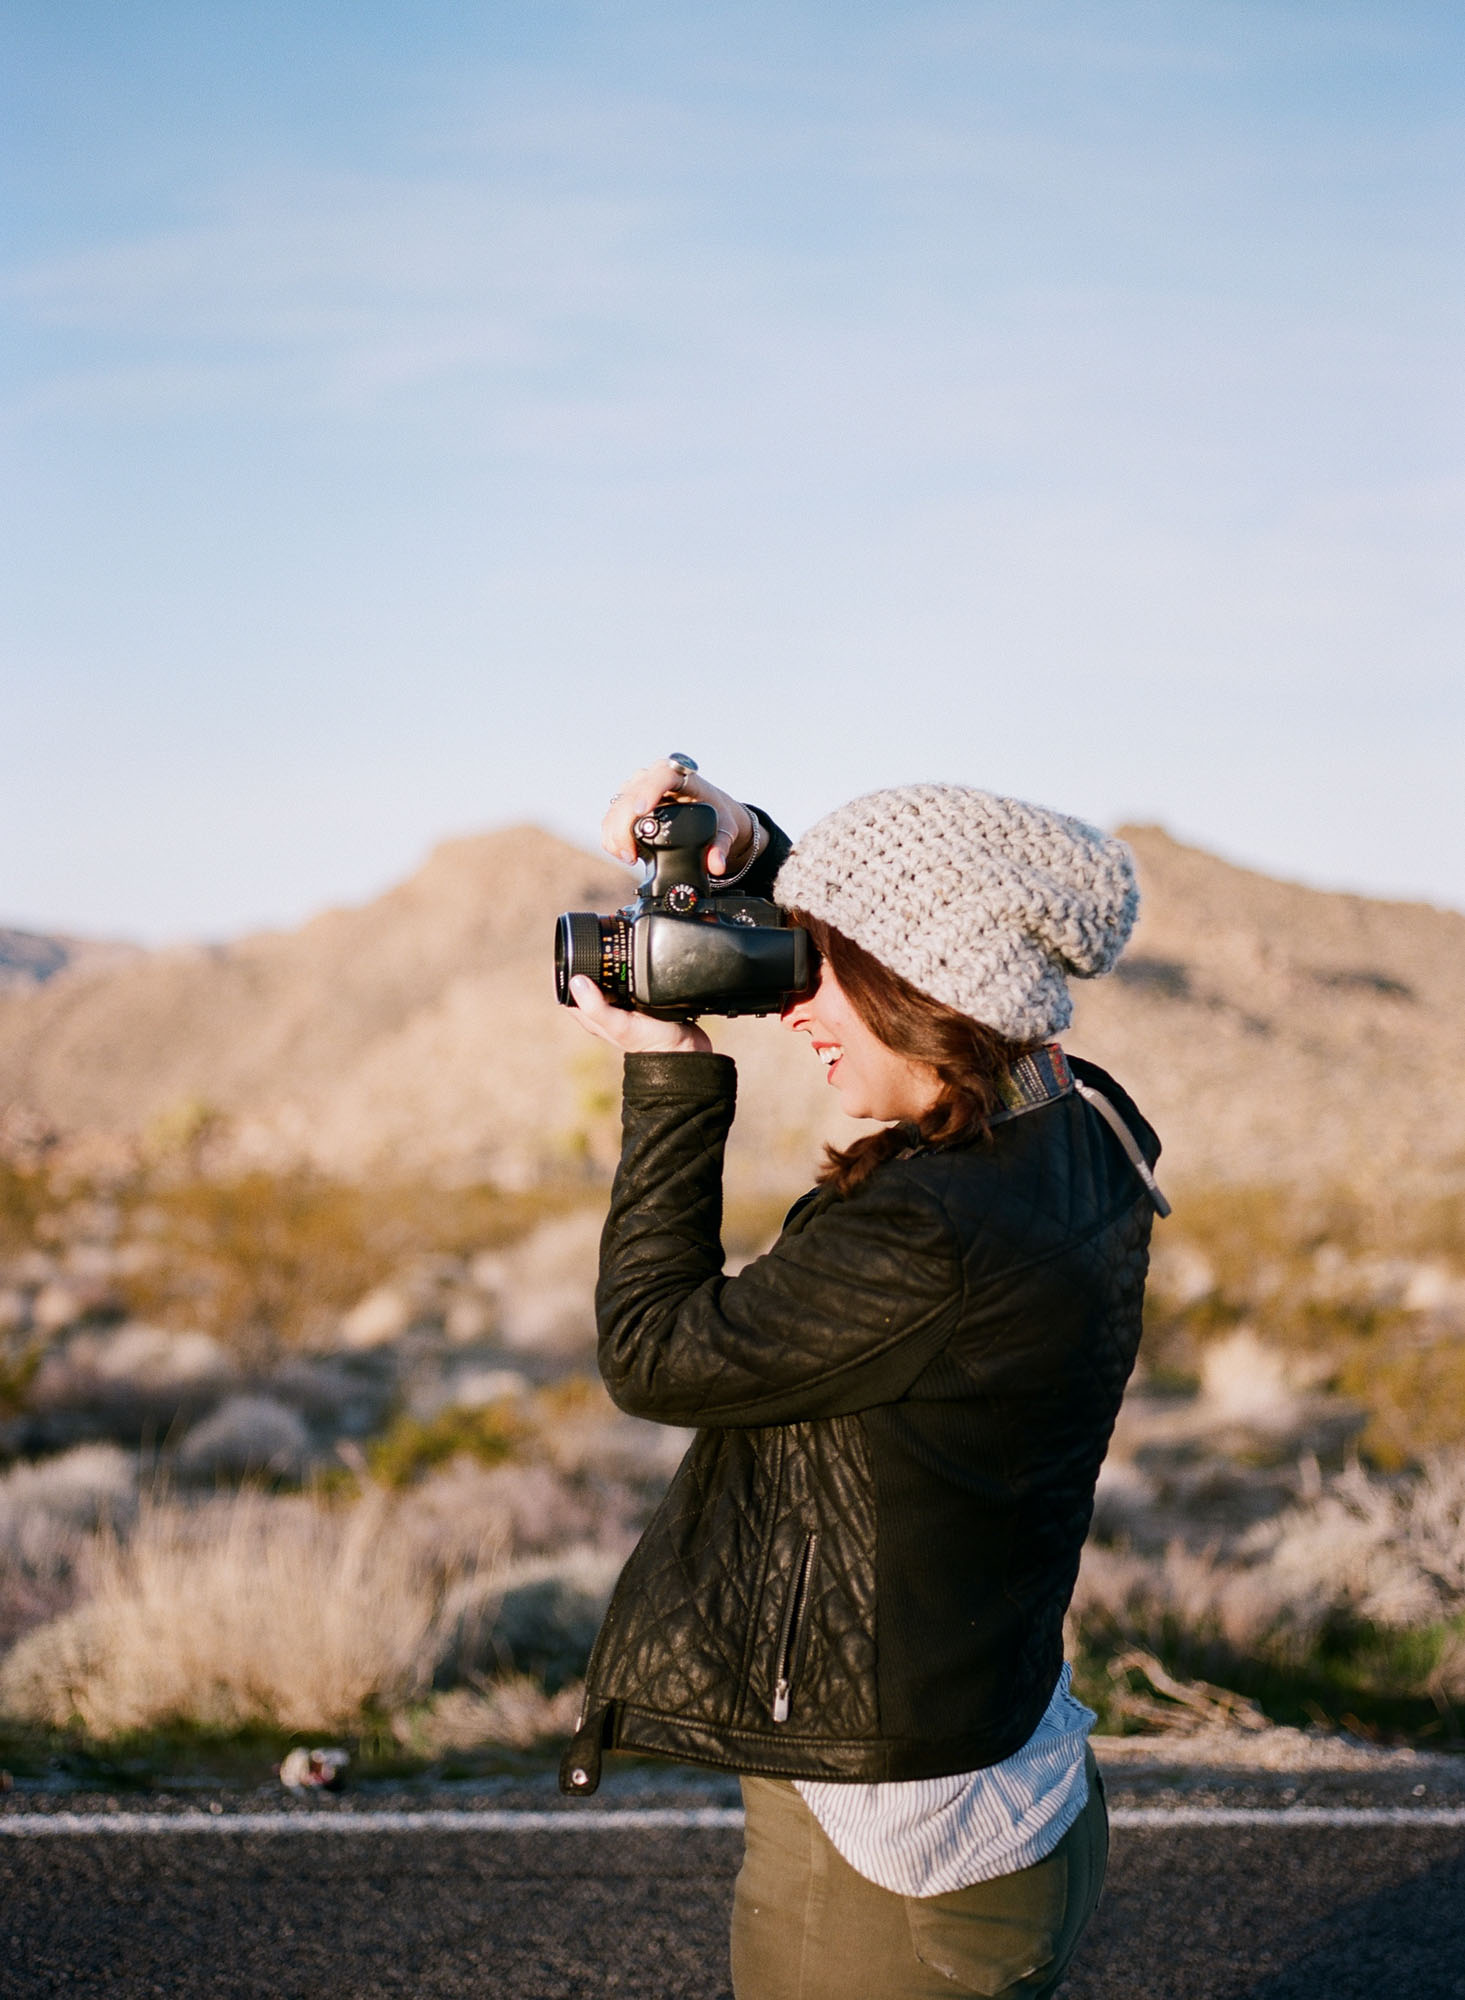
(682, 897)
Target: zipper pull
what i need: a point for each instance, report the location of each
(780, 1699)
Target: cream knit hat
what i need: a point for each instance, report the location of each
(980, 901)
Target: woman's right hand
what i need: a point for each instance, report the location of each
(644, 791)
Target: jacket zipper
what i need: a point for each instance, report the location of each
(793, 1625)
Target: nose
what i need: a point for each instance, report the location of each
(798, 1011)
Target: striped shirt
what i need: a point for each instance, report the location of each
(924, 1836)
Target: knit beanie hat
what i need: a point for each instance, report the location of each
(982, 902)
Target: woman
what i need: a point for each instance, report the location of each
(853, 1593)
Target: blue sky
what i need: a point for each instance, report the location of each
(415, 414)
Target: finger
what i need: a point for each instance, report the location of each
(642, 793)
(588, 997)
(630, 1032)
(721, 847)
(594, 1012)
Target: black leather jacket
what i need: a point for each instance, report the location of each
(862, 1566)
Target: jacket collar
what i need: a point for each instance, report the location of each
(1033, 1080)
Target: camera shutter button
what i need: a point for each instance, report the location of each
(647, 828)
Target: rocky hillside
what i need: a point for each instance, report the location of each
(1276, 1034)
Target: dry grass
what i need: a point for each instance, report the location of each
(249, 1612)
(261, 1612)
(514, 1713)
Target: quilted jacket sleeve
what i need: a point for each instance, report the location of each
(843, 1313)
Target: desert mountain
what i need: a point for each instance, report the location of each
(1275, 1034)
(28, 958)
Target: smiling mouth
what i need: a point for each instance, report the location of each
(829, 1053)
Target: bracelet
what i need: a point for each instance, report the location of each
(760, 841)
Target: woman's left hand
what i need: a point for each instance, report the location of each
(634, 1034)
(643, 792)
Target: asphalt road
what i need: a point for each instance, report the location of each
(1192, 1912)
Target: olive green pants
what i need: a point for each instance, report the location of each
(806, 1926)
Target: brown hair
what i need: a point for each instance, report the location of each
(968, 1056)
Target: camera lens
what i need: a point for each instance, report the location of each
(600, 947)
(576, 950)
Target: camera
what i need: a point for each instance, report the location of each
(684, 947)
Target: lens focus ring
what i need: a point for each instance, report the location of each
(576, 950)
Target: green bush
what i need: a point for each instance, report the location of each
(1415, 1398)
(260, 1259)
(1267, 1250)
(414, 1446)
(25, 1195)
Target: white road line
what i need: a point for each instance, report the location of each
(1154, 1816)
(26, 1825)
(651, 1820)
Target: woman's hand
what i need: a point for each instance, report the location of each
(644, 792)
(634, 1034)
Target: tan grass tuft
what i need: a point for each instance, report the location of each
(249, 1611)
(513, 1713)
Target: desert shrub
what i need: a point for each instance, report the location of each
(1348, 1606)
(25, 1196)
(1415, 1397)
(545, 1284)
(264, 1258)
(20, 1362)
(528, 1506)
(249, 1612)
(413, 1446)
(78, 1491)
(1326, 1275)
(548, 1613)
(258, 1258)
(131, 1382)
(247, 1436)
(1391, 1551)
(50, 1514)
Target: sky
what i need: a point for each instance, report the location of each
(418, 415)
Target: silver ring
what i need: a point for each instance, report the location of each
(680, 761)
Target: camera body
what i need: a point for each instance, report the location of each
(685, 947)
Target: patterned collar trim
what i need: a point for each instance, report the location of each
(1033, 1080)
